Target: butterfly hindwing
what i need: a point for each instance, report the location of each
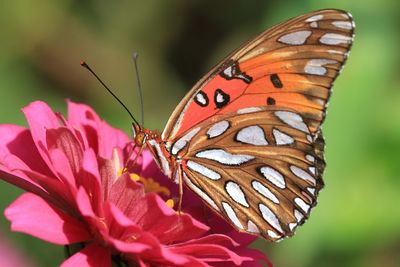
(260, 170)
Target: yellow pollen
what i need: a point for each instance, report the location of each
(170, 203)
(135, 177)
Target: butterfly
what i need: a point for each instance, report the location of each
(247, 137)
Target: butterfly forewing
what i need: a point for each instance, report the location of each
(293, 64)
(247, 137)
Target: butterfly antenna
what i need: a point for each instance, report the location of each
(135, 62)
(85, 65)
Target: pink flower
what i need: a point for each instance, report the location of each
(79, 193)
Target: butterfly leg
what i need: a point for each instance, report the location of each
(180, 182)
(128, 164)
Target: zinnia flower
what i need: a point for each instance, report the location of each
(81, 194)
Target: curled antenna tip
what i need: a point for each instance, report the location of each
(135, 55)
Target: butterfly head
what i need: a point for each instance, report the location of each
(142, 135)
(139, 134)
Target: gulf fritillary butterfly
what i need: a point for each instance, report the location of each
(247, 137)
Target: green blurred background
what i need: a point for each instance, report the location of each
(357, 221)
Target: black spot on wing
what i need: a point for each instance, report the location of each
(276, 81)
(221, 98)
(201, 99)
(270, 101)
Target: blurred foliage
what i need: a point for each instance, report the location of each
(357, 220)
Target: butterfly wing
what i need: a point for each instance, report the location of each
(276, 86)
(292, 65)
(259, 169)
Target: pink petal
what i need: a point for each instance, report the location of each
(63, 168)
(89, 178)
(64, 140)
(211, 253)
(101, 136)
(32, 215)
(172, 227)
(93, 255)
(125, 194)
(87, 212)
(40, 118)
(15, 172)
(16, 140)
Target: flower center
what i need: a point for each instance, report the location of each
(149, 184)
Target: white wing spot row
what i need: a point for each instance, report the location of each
(335, 39)
(252, 135)
(270, 217)
(263, 190)
(315, 66)
(232, 215)
(273, 176)
(183, 141)
(282, 138)
(295, 38)
(292, 119)
(302, 174)
(203, 170)
(236, 193)
(223, 157)
(218, 129)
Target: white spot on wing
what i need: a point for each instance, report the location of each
(248, 110)
(273, 176)
(218, 129)
(282, 138)
(253, 135)
(236, 193)
(305, 207)
(270, 217)
(200, 192)
(311, 190)
(310, 158)
(220, 98)
(263, 190)
(314, 24)
(347, 25)
(302, 174)
(299, 216)
(335, 39)
(314, 18)
(200, 98)
(224, 157)
(228, 71)
(292, 119)
(295, 38)
(315, 66)
(312, 170)
(182, 142)
(272, 234)
(232, 215)
(252, 228)
(207, 172)
(292, 226)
